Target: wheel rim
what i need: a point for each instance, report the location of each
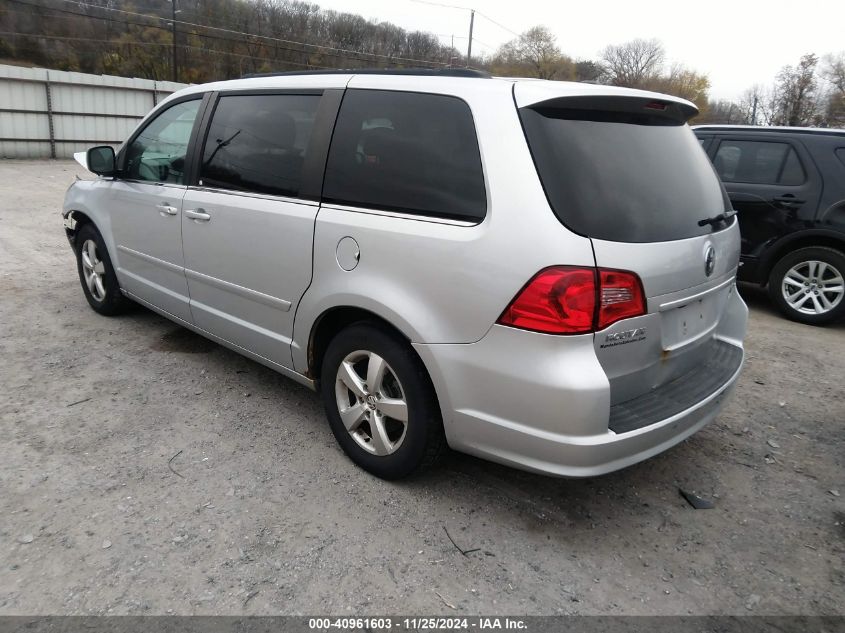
(93, 270)
(371, 403)
(813, 287)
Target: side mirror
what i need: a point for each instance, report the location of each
(100, 160)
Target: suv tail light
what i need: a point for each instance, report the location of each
(570, 300)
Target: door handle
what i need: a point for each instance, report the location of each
(787, 198)
(197, 214)
(166, 209)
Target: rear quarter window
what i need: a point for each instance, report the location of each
(407, 152)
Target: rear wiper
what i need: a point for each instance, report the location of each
(716, 219)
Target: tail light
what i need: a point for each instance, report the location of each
(621, 297)
(569, 300)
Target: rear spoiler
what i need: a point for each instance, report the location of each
(634, 110)
(609, 99)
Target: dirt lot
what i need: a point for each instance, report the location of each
(262, 513)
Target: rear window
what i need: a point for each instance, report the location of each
(407, 152)
(624, 171)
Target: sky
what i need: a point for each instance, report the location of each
(736, 43)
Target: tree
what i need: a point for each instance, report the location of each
(796, 92)
(588, 70)
(633, 63)
(535, 54)
(834, 74)
(682, 82)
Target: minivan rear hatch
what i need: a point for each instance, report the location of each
(622, 168)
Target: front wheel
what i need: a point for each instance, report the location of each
(808, 285)
(380, 402)
(96, 273)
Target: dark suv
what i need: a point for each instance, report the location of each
(788, 187)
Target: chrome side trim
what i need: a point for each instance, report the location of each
(679, 302)
(254, 295)
(150, 259)
(252, 194)
(401, 216)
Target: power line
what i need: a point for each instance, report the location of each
(454, 6)
(167, 44)
(463, 37)
(440, 4)
(501, 26)
(358, 56)
(266, 37)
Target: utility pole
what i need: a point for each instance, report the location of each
(469, 46)
(173, 24)
(754, 112)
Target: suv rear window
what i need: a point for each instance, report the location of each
(624, 170)
(407, 152)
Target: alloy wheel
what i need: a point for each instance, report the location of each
(813, 287)
(371, 402)
(93, 270)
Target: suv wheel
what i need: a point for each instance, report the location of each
(808, 285)
(380, 402)
(99, 283)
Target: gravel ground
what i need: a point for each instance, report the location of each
(144, 470)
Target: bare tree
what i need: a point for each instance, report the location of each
(796, 92)
(758, 105)
(681, 82)
(534, 53)
(834, 75)
(633, 63)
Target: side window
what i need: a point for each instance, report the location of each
(758, 162)
(792, 172)
(404, 151)
(158, 153)
(258, 143)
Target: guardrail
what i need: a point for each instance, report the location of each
(53, 113)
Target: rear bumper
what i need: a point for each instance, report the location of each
(542, 403)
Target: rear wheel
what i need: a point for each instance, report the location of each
(380, 402)
(808, 285)
(96, 274)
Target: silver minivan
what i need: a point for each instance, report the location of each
(539, 273)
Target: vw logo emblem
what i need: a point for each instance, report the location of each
(709, 260)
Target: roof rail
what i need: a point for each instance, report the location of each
(821, 131)
(430, 72)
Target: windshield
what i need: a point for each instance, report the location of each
(623, 174)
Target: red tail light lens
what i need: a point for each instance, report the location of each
(558, 300)
(621, 297)
(563, 300)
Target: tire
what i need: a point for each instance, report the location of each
(396, 449)
(99, 283)
(823, 298)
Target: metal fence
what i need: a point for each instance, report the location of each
(54, 113)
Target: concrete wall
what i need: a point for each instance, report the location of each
(53, 113)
